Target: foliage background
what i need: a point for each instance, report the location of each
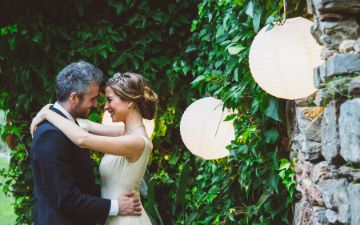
(185, 50)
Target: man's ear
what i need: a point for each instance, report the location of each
(73, 98)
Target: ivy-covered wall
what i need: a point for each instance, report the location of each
(186, 50)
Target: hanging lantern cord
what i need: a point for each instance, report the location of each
(285, 10)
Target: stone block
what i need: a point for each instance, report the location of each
(310, 7)
(339, 6)
(336, 89)
(319, 216)
(301, 121)
(354, 87)
(330, 142)
(334, 193)
(312, 132)
(341, 65)
(354, 196)
(317, 76)
(323, 171)
(332, 216)
(321, 97)
(352, 174)
(297, 214)
(312, 151)
(304, 213)
(309, 190)
(303, 173)
(349, 131)
(334, 30)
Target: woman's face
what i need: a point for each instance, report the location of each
(117, 108)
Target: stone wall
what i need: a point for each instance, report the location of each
(328, 144)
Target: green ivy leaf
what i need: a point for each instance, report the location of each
(257, 19)
(272, 110)
(198, 80)
(191, 48)
(234, 50)
(271, 136)
(12, 43)
(284, 164)
(183, 182)
(95, 117)
(250, 9)
(230, 117)
(119, 61)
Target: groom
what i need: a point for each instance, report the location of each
(64, 185)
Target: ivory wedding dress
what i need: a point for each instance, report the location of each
(119, 176)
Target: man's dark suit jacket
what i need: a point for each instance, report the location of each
(65, 189)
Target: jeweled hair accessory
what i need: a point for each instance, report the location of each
(119, 78)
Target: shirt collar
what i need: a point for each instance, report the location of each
(66, 113)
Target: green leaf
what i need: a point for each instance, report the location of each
(117, 5)
(15, 131)
(282, 174)
(151, 198)
(198, 80)
(250, 9)
(255, 106)
(119, 61)
(237, 74)
(234, 50)
(191, 218)
(271, 136)
(257, 19)
(12, 43)
(95, 117)
(272, 110)
(284, 164)
(263, 198)
(230, 117)
(183, 182)
(191, 48)
(219, 63)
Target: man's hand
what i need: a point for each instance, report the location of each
(129, 205)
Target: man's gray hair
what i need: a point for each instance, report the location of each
(76, 77)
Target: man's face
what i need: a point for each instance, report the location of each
(89, 100)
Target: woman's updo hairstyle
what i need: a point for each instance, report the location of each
(132, 87)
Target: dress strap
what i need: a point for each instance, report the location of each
(147, 143)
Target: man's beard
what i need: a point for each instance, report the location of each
(81, 112)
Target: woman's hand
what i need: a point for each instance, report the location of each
(39, 118)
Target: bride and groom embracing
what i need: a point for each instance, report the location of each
(64, 183)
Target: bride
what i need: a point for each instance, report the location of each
(127, 150)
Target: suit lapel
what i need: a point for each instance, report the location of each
(84, 153)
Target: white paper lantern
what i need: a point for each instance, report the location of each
(204, 131)
(282, 59)
(149, 124)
